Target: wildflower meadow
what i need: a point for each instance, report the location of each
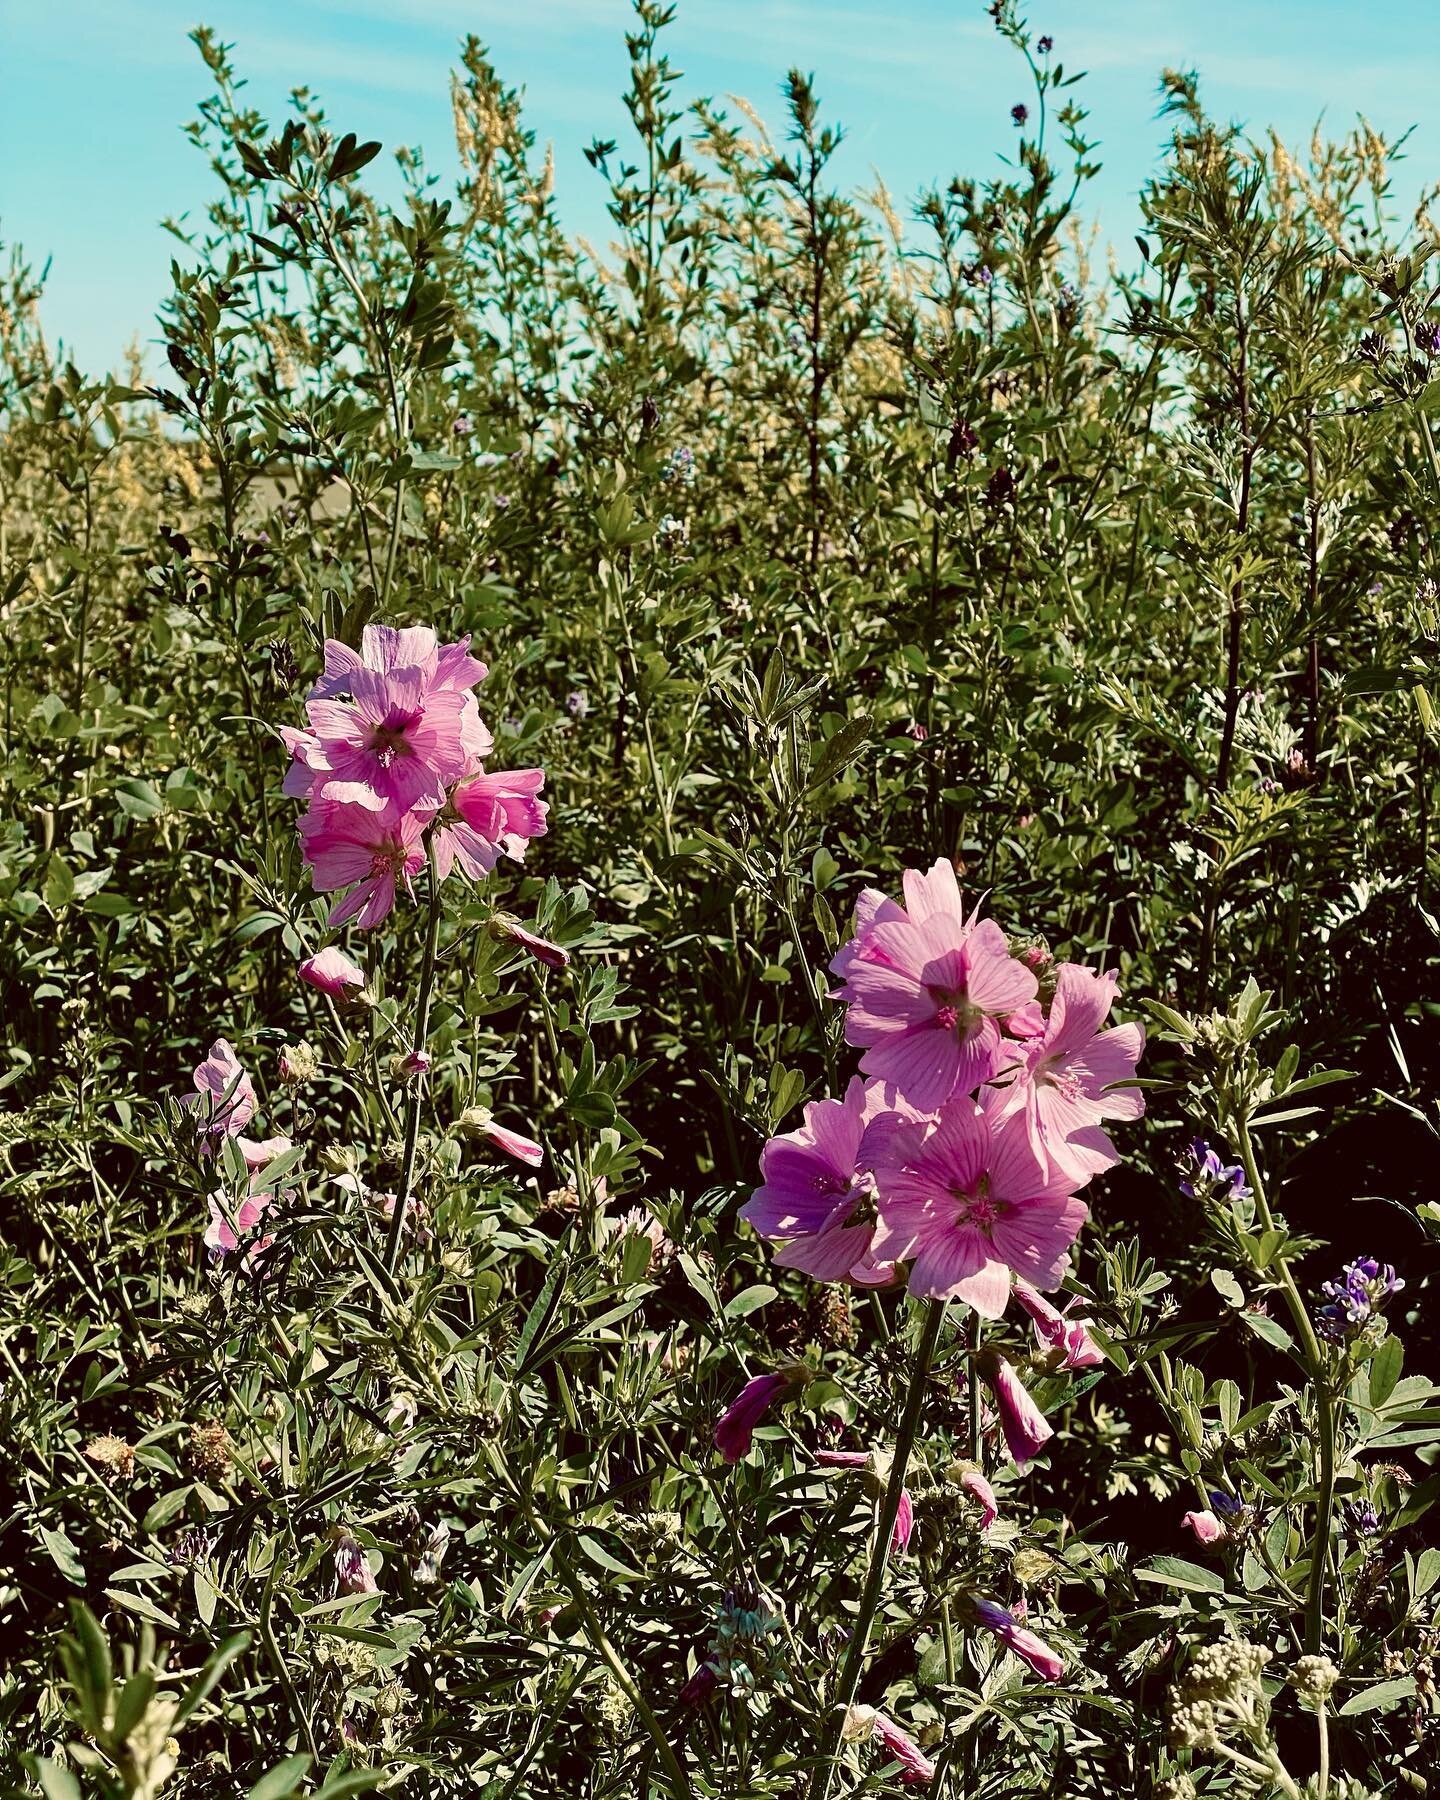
(719, 972)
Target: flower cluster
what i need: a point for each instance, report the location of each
(392, 767)
(955, 1158)
(1354, 1300)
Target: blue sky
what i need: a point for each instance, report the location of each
(93, 94)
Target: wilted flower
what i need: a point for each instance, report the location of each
(479, 1122)
(876, 1465)
(552, 955)
(211, 1451)
(737, 1423)
(864, 1722)
(112, 1456)
(353, 1574)
(972, 1481)
(437, 1542)
(1018, 1639)
(1024, 1426)
(1068, 1339)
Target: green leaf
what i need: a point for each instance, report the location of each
(64, 1555)
(538, 1316)
(1384, 1370)
(1174, 1571)
(167, 1507)
(58, 1783)
(145, 1608)
(1383, 1697)
(282, 1779)
(1227, 1287)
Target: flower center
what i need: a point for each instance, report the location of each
(388, 740)
(980, 1208)
(387, 862)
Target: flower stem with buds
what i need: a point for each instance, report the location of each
(1314, 1357)
(880, 1552)
(422, 1030)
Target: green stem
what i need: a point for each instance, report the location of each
(417, 1095)
(1322, 1723)
(880, 1552)
(1314, 1357)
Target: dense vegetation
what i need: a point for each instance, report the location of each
(805, 546)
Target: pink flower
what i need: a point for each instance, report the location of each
(864, 1722)
(925, 989)
(1207, 1528)
(383, 648)
(397, 742)
(1058, 1333)
(368, 852)
(222, 1234)
(737, 1423)
(260, 1152)
(981, 1492)
(332, 971)
(489, 816)
(224, 1100)
(966, 1203)
(304, 747)
(1069, 1078)
(1016, 1638)
(1021, 1420)
(816, 1192)
(552, 955)
(877, 1463)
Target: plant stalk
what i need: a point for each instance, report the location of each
(880, 1553)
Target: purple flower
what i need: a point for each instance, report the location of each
(577, 704)
(1427, 338)
(462, 426)
(1355, 1298)
(1019, 114)
(1207, 1178)
(1046, 44)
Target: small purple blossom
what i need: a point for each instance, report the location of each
(1046, 44)
(1205, 1177)
(1019, 114)
(1355, 1298)
(1364, 1518)
(577, 704)
(1427, 337)
(462, 426)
